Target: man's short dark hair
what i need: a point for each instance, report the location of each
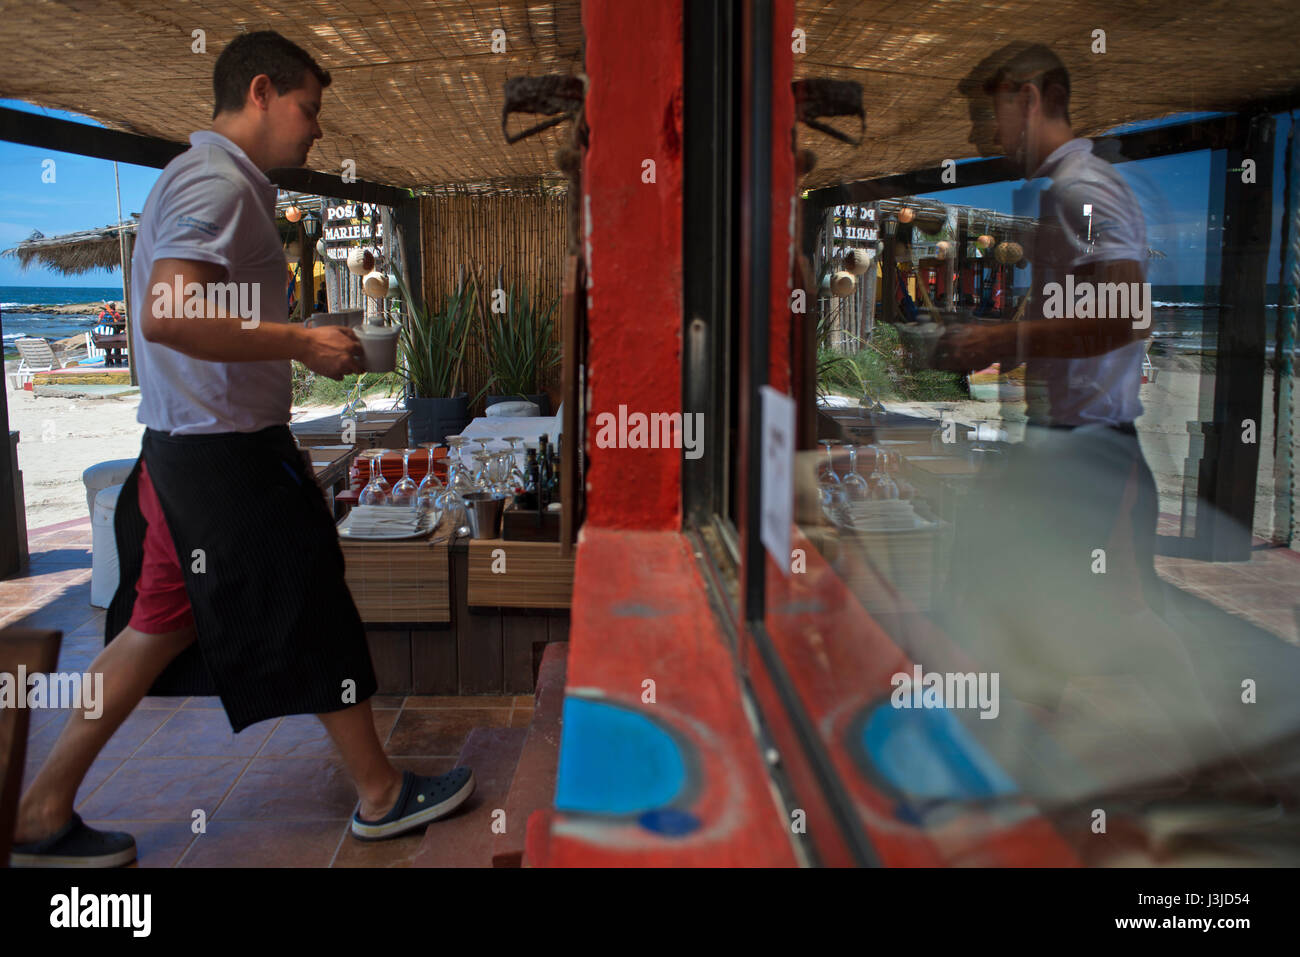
(252, 54)
(1008, 69)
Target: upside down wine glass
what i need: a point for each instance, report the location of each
(404, 491)
(376, 491)
(856, 488)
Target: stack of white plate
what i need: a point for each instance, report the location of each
(888, 515)
(382, 521)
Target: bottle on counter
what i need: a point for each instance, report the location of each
(527, 500)
(543, 472)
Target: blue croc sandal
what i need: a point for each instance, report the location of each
(422, 800)
(76, 845)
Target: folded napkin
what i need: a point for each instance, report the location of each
(383, 520)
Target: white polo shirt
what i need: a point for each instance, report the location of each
(1097, 389)
(212, 204)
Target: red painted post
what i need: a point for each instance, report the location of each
(632, 210)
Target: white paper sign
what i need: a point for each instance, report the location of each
(778, 475)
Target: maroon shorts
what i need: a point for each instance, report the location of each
(161, 603)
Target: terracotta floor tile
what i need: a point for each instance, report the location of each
(524, 700)
(521, 717)
(133, 732)
(290, 789)
(400, 851)
(265, 844)
(169, 703)
(212, 702)
(397, 852)
(441, 732)
(20, 592)
(158, 843)
(101, 769)
(303, 736)
(425, 702)
(387, 702)
(164, 789)
(203, 734)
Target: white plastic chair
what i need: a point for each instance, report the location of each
(35, 355)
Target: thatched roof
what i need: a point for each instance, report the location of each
(72, 253)
(1162, 57)
(417, 93)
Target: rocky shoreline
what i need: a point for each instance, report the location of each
(69, 309)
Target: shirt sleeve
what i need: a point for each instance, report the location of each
(1114, 231)
(199, 219)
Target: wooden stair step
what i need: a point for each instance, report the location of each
(465, 839)
(533, 787)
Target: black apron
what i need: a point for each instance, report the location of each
(278, 632)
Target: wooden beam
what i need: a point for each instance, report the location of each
(1226, 510)
(1214, 133)
(66, 136)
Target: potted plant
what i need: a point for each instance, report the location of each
(431, 351)
(521, 349)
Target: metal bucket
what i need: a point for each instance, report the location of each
(485, 509)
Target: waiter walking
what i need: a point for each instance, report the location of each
(231, 572)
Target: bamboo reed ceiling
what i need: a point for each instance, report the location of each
(1162, 57)
(416, 95)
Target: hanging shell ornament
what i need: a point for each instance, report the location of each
(1008, 253)
(985, 242)
(360, 262)
(906, 214)
(842, 284)
(375, 284)
(857, 261)
(293, 214)
(943, 249)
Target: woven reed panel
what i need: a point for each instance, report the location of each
(1163, 57)
(405, 581)
(517, 235)
(535, 576)
(416, 95)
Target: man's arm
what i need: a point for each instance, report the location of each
(219, 336)
(972, 347)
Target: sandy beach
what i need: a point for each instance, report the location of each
(60, 437)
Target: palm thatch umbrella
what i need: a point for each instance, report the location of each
(73, 253)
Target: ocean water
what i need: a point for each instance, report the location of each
(48, 325)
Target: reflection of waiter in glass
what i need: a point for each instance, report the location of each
(1054, 572)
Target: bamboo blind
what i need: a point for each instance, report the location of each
(535, 576)
(403, 581)
(515, 235)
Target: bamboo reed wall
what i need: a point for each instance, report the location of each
(520, 234)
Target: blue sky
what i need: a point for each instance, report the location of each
(81, 197)
(1173, 191)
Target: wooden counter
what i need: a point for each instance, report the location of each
(527, 575)
(403, 581)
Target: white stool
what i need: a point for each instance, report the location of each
(103, 475)
(104, 572)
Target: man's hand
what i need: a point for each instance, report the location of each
(332, 351)
(967, 348)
